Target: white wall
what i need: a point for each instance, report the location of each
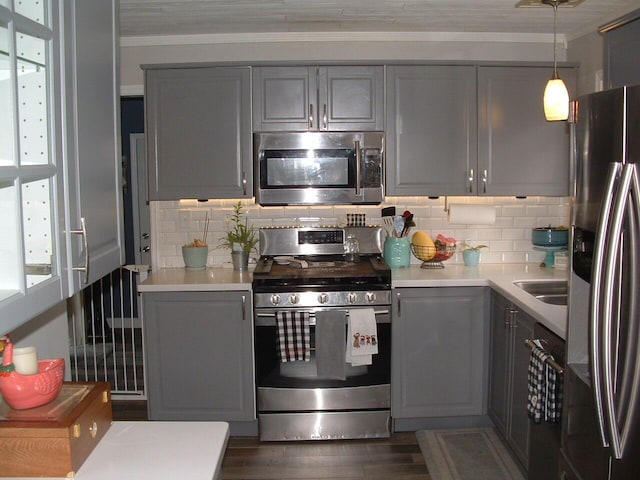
(48, 332)
(588, 52)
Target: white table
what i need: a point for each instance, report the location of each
(157, 451)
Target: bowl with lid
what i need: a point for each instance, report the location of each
(550, 236)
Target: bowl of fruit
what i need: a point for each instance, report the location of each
(432, 253)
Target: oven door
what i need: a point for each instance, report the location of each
(296, 386)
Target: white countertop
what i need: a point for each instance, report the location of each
(209, 279)
(500, 277)
(156, 450)
(497, 276)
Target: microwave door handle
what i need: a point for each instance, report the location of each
(358, 161)
(595, 308)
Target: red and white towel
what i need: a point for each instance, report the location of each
(293, 336)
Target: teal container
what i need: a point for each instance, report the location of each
(397, 251)
(471, 257)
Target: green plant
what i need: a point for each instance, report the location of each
(240, 234)
(467, 246)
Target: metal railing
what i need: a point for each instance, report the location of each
(106, 333)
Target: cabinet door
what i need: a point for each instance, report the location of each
(351, 98)
(519, 152)
(499, 361)
(621, 46)
(518, 418)
(285, 99)
(198, 356)
(92, 130)
(198, 129)
(431, 130)
(439, 345)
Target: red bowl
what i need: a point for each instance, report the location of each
(30, 391)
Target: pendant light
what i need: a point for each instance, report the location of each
(556, 95)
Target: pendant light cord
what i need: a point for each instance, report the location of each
(555, 44)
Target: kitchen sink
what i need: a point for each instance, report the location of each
(553, 292)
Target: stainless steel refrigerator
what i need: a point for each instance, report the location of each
(601, 417)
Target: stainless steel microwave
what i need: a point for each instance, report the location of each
(319, 168)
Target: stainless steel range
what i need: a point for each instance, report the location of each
(303, 271)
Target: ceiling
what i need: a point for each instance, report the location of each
(187, 17)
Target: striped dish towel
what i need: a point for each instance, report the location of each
(293, 336)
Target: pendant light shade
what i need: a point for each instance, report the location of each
(556, 100)
(556, 95)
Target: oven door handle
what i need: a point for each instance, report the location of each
(268, 319)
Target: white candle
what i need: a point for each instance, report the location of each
(25, 360)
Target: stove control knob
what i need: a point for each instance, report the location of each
(293, 298)
(323, 298)
(352, 297)
(370, 296)
(275, 299)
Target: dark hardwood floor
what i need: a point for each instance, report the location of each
(397, 458)
(246, 458)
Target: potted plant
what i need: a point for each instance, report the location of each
(241, 238)
(471, 254)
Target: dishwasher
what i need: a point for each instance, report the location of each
(544, 437)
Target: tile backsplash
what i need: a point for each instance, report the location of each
(175, 223)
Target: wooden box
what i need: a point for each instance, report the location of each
(55, 439)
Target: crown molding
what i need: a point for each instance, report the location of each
(286, 37)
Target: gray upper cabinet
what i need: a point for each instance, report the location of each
(92, 138)
(198, 130)
(439, 352)
(467, 130)
(519, 152)
(312, 98)
(199, 356)
(431, 129)
(509, 362)
(621, 46)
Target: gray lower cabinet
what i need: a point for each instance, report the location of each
(509, 363)
(439, 352)
(199, 356)
(317, 98)
(474, 130)
(198, 131)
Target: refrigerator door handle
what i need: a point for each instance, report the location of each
(599, 256)
(609, 291)
(631, 373)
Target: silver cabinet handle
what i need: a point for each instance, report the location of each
(484, 181)
(398, 304)
(146, 249)
(244, 307)
(471, 180)
(507, 316)
(358, 162)
(85, 245)
(599, 255)
(244, 183)
(311, 116)
(324, 118)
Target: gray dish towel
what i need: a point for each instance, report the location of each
(330, 344)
